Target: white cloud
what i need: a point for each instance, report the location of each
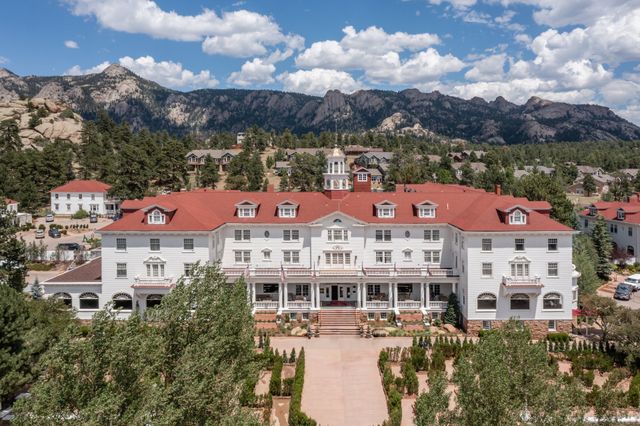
(418, 69)
(70, 44)
(318, 81)
(166, 73)
(375, 40)
(487, 69)
(4, 60)
(239, 33)
(457, 4)
(256, 71)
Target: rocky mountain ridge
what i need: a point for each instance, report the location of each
(143, 103)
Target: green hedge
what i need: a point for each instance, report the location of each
(558, 337)
(296, 416)
(275, 384)
(634, 391)
(80, 214)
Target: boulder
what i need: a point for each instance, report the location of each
(51, 106)
(450, 328)
(380, 332)
(38, 102)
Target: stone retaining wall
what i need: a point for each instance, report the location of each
(539, 328)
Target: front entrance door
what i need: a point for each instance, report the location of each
(334, 292)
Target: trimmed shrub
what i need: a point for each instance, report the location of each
(437, 359)
(418, 358)
(287, 386)
(296, 416)
(558, 337)
(292, 357)
(275, 383)
(394, 405)
(633, 396)
(80, 214)
(484, 333)
(410, 378)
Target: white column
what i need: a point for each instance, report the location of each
(428, 291)
(280, 300)
(394, 291)
(253, 293)
(422, 295)
(454, 286)
(286, 294)
(318, 296)
(358, 295)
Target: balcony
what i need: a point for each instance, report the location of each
(409, 304)
(268, 305)
(378, 272)
(266, 272)
(338, 272)
(298, 272)
(298, 304)
(377, 304)
(522, 284)
(153, 282)
(438, 306)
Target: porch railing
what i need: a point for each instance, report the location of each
(438, 306)
(374, 272)
(377, 304)
(266, 304)
(409, 304)
(298, 305)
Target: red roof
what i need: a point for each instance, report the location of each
(89, 272)
(472, 210)
(83, 186)
(8, 201)
(609, 209)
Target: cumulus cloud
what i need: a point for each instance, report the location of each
(166, 73)
(238, 33)
(487, 69)
(70, 44)
(457, 4)
(318, 81)
(257, 71)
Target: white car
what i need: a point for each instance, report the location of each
(633, 281)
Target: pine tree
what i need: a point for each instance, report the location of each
(134, 173)
(36, 290)
(209, 176)
(452, 314)
(284, 183)
(603, 247)
(588, 184)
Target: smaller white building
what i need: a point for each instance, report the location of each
(87, 195)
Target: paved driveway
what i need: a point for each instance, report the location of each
(342, 385)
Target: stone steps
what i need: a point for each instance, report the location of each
(338, 322)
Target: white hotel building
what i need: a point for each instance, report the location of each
(402, 251)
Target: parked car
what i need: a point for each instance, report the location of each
(39, 233)
(49, 217)
(54, 233)
(623, 292)
(633, 281)
(69, 246)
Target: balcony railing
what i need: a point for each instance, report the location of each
(266, 304)
(409, 304)
(377, 304)
(338, 272)
(266, 272)
(297, 304)
(161, 282)
(438, 306)
(515, 282)
(375, 272)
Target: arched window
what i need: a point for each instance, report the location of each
(519, 301)
(517, 218)
(552, 301)
(156, 218)
(64, 298)
(487, 301)
(89, 301)
(153, 300)
(122, 301)
(631, 251)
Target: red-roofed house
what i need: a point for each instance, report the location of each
(376, 252)
(88, 195)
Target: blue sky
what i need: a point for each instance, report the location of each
(579, 51)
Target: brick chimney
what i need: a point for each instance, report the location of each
(271, 188)
(361, 180)
(498, 189)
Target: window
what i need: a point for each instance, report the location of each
(383, 316)
(64, 298)
(487, 244)
(79, 196)
(57, 207)
(122, 301)
(80, 207)
(93, 197)
(586, 223)
(620, 214)
(552, 244)
(432, 256)
(68, 196)
(432, 235)
(407, 234)
(89, 301)
(426, 212)
(266, 255)
(486, 325)
(337, 258)
(552, 269)
(155, 270)
(383, 256)
(302, 290)
(156, 218)
(520, 269)
(487, 301)
(305, 316)
(386, 212)
(55, 196)
(291, 235)
(405, 288)
(362, 177)
(629, 230)
(266, 234)
(613, 228)
(286, 211)
(246, 212)
(371, 316)
(270, 288)
(188, 269)
(434, 291)
(121, 270)
(337, 235)
(373, 289)
(551, 325)
(242, 234)
(631, 251)
(552, 301)
(487, 269)
(154, 300)
(517, 218)
(519, 301)
(68, 207)
(154, 244)
(291, 257)
(519, 244)
(121, 244)
(407, 255)
(187, 244)
(242, 256)
(383, 235)
(593, 211)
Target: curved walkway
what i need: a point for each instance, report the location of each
(342, 385)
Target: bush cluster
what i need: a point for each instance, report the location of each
(80, 214)
(275, 383)
(296, 416)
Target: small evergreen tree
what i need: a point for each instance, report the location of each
(603, 246)
(453, 310)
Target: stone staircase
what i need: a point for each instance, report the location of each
(338, 322)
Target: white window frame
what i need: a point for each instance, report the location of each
(383, 257)
(246, 212)
(519, 269)
(552, 242)
(407, 255)
(242, 256)
(188, 269)
(152, 243)
(291, 235)
(432, 257)
(431, 235)
(337, 258)
(426, 212)
(121, 270)
(119, 246)
(487, 269)
(287, 212)
(340, 235)
(291, 257)
(362, 177)
(517, 218)
(186, 242)
(242, 235)
(516, 243)
(386, 212)
(155, 269)
(266, 255)
(486, 296)
(552, 296)
(553, 271)
(486, 242)
(156, 217)
(552, 325)
(385, 235)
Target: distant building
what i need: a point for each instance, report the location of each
(240, 138)
(519, 173)
(21, 218)
(475, 166)
(374, 159)
(289, 153)
(283, 167)
(221, 157)
(359, 149)
(88, 195)
(465, 155)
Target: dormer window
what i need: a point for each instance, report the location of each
(620, 214)
(246, 209)
(517, 218)
(287, 209)
(156, 218)
(386, 210)
(593, 211)
(426, 209)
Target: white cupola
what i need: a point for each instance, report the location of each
(336, 176)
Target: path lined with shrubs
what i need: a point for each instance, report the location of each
(342, 385)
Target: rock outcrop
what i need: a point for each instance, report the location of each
(145, 104)
(55, 121)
